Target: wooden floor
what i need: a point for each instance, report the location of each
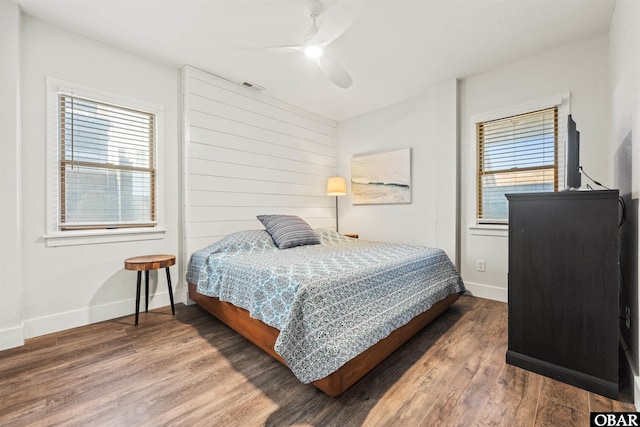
(190, 370)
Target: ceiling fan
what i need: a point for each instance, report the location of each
(333, 23)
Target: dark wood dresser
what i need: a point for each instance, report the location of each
(563, 287)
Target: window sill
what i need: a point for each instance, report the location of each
(495, 230)
(91, 237)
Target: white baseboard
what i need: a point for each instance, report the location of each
(486, 291)
(636, 392)
(11, 337)
(183, 295)
(632, 371)
(85, 316)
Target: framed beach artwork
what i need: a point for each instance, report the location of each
(381, 178)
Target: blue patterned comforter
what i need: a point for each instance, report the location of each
(330, 301)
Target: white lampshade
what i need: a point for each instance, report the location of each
(336, 186)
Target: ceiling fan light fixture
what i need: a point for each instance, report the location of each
(313, 51)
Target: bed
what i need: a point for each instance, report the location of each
(331, 311)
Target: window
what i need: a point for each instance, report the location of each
(516, 154)
(107, 168)
(102, 170)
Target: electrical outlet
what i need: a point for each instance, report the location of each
(627, 316)
(480, 265)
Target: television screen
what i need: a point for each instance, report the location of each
(572, 170)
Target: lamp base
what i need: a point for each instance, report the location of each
(336, 214)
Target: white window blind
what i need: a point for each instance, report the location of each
(517, 154)
(107, 165)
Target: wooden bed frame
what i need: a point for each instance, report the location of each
(264, 336)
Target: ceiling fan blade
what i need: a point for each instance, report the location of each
(273, 49)
(334, 71)
(336, 20)
(312, 31)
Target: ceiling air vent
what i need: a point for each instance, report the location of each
(252, 86)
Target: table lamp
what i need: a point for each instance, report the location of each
(336, 186)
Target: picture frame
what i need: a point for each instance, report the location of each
(381, 178)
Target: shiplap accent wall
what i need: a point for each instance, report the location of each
(247, 154)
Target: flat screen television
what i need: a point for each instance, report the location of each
(572, 171)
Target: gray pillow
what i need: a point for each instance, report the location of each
(288, 231)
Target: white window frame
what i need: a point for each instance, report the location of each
(563, 102)
(53, 236)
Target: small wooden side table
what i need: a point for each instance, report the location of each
(146, 263)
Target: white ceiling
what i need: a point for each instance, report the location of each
(393, 50)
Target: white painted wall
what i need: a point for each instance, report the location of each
(428, 125)
(624, 63)
(63, 287)
(582, 70)
(11, 334)
(625, 74)
(247, 154)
